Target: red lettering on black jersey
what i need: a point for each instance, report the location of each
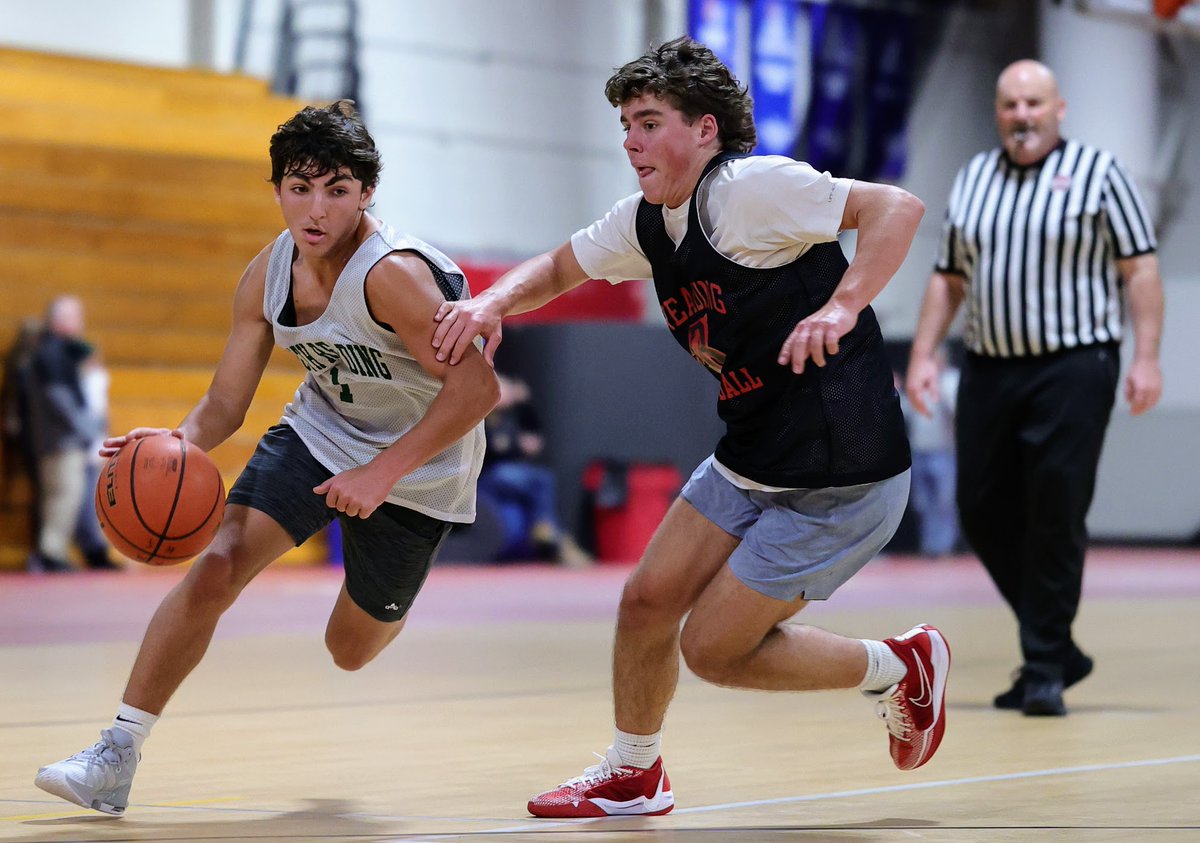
(698, 297)
(737, 383)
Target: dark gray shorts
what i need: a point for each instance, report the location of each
(387, 556)
(801, 542)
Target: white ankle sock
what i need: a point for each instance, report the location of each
(135, 723)
(638, 750)
(884, 668)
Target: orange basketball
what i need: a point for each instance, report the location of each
(160, 500)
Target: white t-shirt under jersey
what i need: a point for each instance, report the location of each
(761, 212)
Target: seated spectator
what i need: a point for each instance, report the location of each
(522, 491)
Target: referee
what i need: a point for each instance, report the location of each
(1046, 239)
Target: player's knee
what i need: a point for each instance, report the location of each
(704, 656)
(641, 603)
(350, 662)
(349, 656)
(213, 581)
(354, 652)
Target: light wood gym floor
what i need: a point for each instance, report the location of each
(499, 687)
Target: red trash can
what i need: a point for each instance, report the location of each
(628, 509)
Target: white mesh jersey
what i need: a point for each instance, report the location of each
(364, 389)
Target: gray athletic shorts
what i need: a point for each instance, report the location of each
(387, 556)
(805, 542)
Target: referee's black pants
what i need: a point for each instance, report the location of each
(1029, 434)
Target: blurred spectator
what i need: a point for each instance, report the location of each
(62, 428)
(16, 447)
(932, 441)
(523, 492)
(88, 537)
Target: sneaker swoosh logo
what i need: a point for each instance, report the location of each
(658, 791)
(925, 698)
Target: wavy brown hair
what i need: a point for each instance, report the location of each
(689, 76)
(316, 141)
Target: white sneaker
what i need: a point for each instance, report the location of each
(98, 777)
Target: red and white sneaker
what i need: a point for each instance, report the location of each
(609, 788)
(914, 709)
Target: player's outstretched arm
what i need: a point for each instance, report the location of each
(886, 218)
(523, 288)
(222, 409)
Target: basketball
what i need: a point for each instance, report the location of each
(160, 500)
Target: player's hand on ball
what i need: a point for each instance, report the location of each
(160, 500)
(114, 443)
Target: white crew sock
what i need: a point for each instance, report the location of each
(638, 750)
(884, 668)
(135, 723)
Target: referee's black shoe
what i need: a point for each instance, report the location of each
(1077, 668)
(1043, 698)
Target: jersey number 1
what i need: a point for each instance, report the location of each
(346, 396)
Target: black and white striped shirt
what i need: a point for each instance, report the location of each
(1038, 246)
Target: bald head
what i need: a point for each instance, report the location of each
(64, 316)
(1029, 111)
(1027, 72)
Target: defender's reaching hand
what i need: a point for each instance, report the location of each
(460, 322)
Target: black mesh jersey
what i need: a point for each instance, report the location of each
(837, 425)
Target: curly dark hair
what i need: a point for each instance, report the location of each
(690, 77)
(317, 141)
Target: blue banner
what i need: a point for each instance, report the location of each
(779, 80)
(838, 56)
(832, 83)
(889, 89)
(721, 26)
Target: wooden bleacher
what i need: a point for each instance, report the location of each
(143, 191)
